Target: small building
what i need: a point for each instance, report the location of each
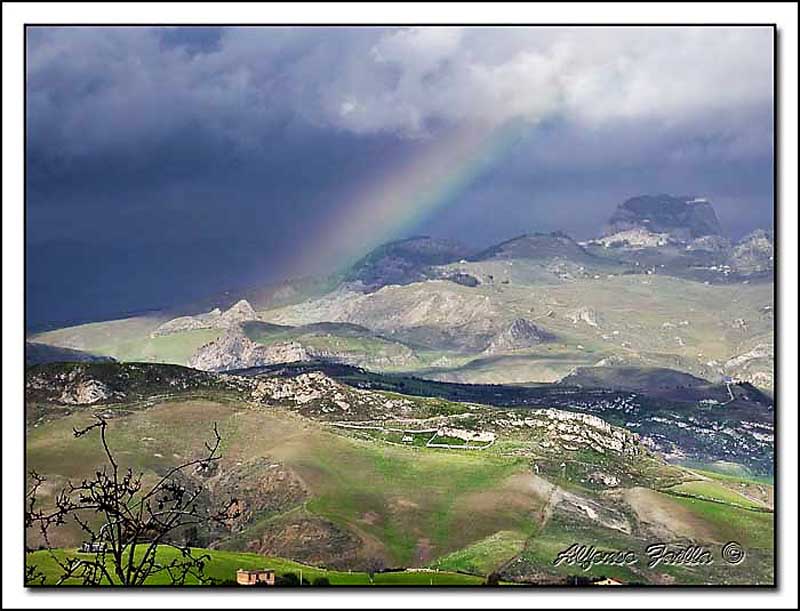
(252, 577)
(90, 547)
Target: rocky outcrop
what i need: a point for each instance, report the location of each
(637, 237)
(710, 243)
(755, 366)
(586, 315)
(100, 382)
(680, 218)
(754, 253)
(519, 335)
(234, 350)
(436, 313)
(85, 392)
(238, 313)
(573, 431)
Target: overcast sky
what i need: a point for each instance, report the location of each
(166, 164)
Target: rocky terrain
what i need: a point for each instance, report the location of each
(101, 382)
(681, 416)
(234, 350)
(519, 335)
(680, 218)
(753, 253)
(239, 312)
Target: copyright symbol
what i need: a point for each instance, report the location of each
(733, 553)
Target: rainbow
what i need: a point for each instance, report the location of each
(393, 205)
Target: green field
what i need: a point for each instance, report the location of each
(130, 340)
(715, 491)
(222, 566)
(485, 556)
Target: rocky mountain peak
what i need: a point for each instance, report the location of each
(241, 311)
(518, 335)
(238, 313)
(681, 218)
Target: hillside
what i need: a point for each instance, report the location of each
(325, 475)
(222, 566)
(403, 262)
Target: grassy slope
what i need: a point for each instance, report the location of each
(715, 491)
(224, 564)
(129, 340)
(371, 488)
(485, 556)
(413, 506)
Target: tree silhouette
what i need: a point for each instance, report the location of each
(128, 524)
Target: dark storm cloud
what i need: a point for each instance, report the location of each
(165, 164)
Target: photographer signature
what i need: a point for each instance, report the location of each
(658, 554)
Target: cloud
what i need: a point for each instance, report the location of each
(413, 78)
(239, 82)
(191, 160)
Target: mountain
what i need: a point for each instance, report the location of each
(527, 310)
(234, 350)
(537, 246)
(403, 261)
(437, 408)
(255, 344)
(681, 218)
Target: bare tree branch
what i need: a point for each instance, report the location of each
(128, 529)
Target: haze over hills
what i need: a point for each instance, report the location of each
(529, 309)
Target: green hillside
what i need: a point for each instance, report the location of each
(222, 567)
(347, 499)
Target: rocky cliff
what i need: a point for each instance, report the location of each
(679, 218)
(234, 350)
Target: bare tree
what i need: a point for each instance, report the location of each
(128, 524)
